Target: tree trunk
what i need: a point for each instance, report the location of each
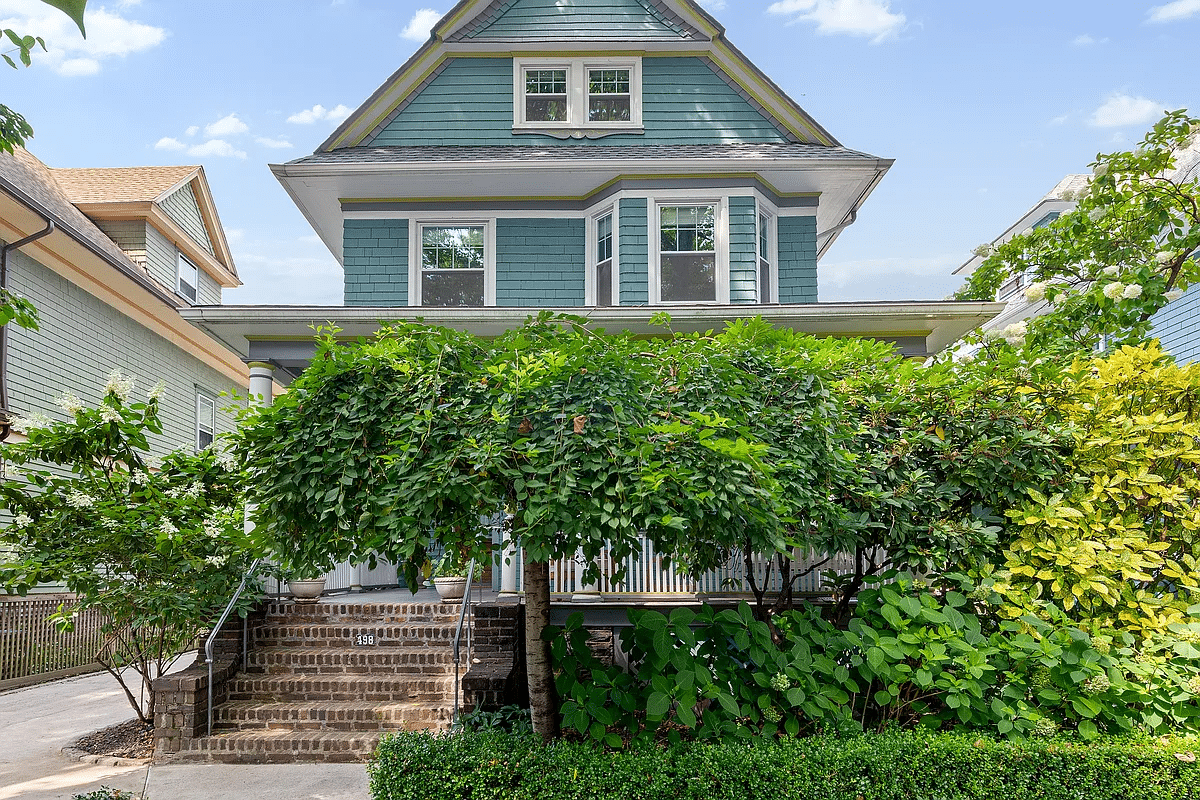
(543, 698)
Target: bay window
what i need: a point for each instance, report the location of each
(687, 254)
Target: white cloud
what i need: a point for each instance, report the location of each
(110, 35)
(192, 130)
(872, 18)
(417, 29)
(225, 126)
(168, 143)
(319, 113)
(1120, 110)
(278, 144)
(1084, 40)
(1180, 9)
(215, 147)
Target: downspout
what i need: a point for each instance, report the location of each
(846, 224)
(5, 414)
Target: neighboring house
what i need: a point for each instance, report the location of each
(1177, 326)
(130, 248)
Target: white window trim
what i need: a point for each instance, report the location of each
(721, 243)
(590, 293)
(415, 226)
(204, 397)
(772, 249)
(576, 124)
(180, 260)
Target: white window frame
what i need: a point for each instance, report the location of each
(772, 254)
(180, 260)
(206, 404)
(720, 242)
(577, 123)
(416, 227)
(590, 292)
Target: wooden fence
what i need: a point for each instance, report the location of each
(30, 645)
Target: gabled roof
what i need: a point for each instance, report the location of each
(698, 33)
(111, 193)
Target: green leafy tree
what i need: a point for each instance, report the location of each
(157, 551)
(1125, 251)
(14, 129)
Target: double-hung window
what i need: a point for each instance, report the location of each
(206, 420)
(577, 97)
(765, 295)
(687, 254)
(604, 260)
(452, 266)
(187, 279)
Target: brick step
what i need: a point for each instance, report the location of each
(434, 662)
(412, 634)
(320, 688)
(281, 746)
(332, 716)
(362, 612)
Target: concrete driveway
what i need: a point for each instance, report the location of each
(37, 722)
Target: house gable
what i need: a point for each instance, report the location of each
(469, 101)
(593, 20)
(181, 205)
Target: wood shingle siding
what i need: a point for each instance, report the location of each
(470, 102)
(743, 250)
(634, 255)
(1178, 327)
(375, 258)
(130, 235)
(540, 262)
(577, 19)
(182, 207)
(797, 259)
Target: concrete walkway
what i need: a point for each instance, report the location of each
(38, 721)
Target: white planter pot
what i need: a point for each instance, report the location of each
(451, 589)
(306, 591)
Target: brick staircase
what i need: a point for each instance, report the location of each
(318, 687)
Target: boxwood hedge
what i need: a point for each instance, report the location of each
(889, 766)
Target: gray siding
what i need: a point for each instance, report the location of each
(743, 250)
(130, 236)
(1178, 327)
(182, 207)
(375, 258)
(579, 19)
(162, 259)
(209, 291)
(540, 262)
(634, 246)
(797, 259)
(470, 103)
(81, 340)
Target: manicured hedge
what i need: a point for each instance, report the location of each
(892, 766)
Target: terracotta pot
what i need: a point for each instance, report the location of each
(451, 589)
(306, 591)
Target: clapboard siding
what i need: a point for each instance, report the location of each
(470, 102)
(540, 262)
(634, 243)
(1177, 327)
(797, 259)
(579, 19)
(181, 206)
(743, 250)
(375, 258)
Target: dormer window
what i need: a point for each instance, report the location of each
(188, 278)
(577, 97)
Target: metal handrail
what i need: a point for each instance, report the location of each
(462, 615)
(212, 637)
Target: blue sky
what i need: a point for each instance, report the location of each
(984, 106)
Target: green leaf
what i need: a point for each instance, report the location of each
(73, 9)
(657, 705)
(1088, 730)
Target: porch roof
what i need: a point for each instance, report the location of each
(283, 335)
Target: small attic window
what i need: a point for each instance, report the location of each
(577, 97)
(188, 279)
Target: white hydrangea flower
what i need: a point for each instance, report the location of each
(1100, 170)
(1132, 292)
(139, 478)
(119, 385)
(168, 528)
(22, 521)
(1096, 214)
(1015, 334)
(77, 499)
(195, 490)
(983, 250)
(216, 560)
(158, 391)
(111, 524)
(212, 528)
(69, 403)
(1164, 257)
(1174, 295)
(1113, 270)
(1114, 291)
(226, 460)
(109, 414)
(1059, 298)
(1083, 193)
(1036, 292)
(1067, 195)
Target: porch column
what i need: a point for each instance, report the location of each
(508, 564)
(584, 592)
(262, 384)
(356, 577)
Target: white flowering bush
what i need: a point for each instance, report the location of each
(1107, 267)
(156, 548)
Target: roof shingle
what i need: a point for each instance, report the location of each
(119, 184)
